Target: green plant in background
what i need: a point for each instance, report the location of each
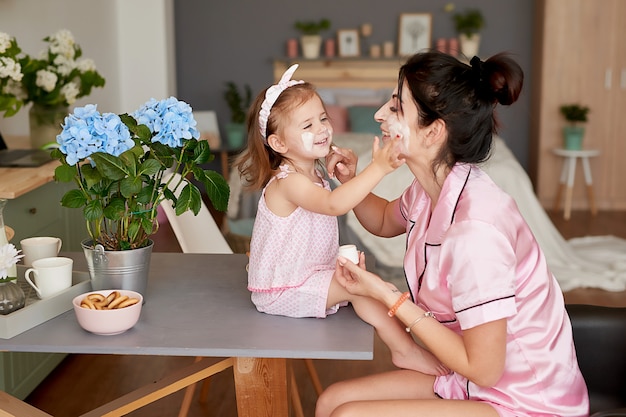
(574, 112)
(238, 103)
(469, 22)
(312, 27)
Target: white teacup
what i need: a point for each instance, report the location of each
(35, 248)
(51, 275)
(349, 252)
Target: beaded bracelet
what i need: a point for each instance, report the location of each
(392, 311)
(417, 320)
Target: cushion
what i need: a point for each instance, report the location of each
(338, 118)
(362, 119)
(361, 98)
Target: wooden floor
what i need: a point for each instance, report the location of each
(83, 382)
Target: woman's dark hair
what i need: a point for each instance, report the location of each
(464, 97)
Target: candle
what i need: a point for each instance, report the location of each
(388, 49)
(330, 48)
(292, 48)
(453, 46)
(366, 29)
(375, 51)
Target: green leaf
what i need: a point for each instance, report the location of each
(130, 186)
(110, 166)
(93, 210)
(202, 153)
(73, 199)
(91, 175)
(189, 199)
(169, 195)
(150, 167)
(115, 209)
(65, 173)
(217, 189)
(129, 158)
(144, 196)
(147, 225)
(133, 229)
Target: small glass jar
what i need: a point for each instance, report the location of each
(11, 297)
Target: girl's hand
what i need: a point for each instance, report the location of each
(387, 157)
(341, 164)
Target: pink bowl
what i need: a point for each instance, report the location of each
(107, 322)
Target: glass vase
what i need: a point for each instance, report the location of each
(11, 297)
(12, 271)
(45, 124)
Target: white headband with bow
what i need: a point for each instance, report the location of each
(271, 95)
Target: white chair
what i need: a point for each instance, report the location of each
(208, 127)
(195, 233)
(200, 234)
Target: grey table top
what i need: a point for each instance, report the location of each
(198, 305)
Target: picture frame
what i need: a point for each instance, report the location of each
(348, 43)
(414, 33)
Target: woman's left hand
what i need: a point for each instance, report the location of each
(341, 164)
(356, 280)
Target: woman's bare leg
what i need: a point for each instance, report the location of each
(394, 394)
(405, 353)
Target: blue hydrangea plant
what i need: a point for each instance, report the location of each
(118, 163)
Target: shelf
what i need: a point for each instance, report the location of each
(359, 72)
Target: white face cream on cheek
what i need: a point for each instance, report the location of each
(398, 129)
(307, 140)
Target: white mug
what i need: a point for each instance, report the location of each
(51, 275)
(35, 248)
(349, 252)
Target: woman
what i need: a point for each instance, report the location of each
(484, 302)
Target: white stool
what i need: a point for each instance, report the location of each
(567, 177)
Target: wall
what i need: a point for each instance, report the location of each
(142, 54)
(237, 40)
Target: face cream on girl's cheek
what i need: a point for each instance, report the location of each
(307, 140)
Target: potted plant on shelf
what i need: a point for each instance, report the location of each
(238, 104)
(310, 39)
(118, 163)
(574, 131)
(468, 25)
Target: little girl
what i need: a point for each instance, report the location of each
(295, 237)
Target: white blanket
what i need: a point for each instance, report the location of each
(591, 261)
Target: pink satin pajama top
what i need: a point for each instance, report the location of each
(475, 260)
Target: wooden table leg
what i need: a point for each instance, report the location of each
(559, 196)
(562, 181)
(592, 200)
(571, 172)
(589, 182)
(315, 379)
(261, 387)
(567, 212)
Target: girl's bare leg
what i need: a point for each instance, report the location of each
(405, 352)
